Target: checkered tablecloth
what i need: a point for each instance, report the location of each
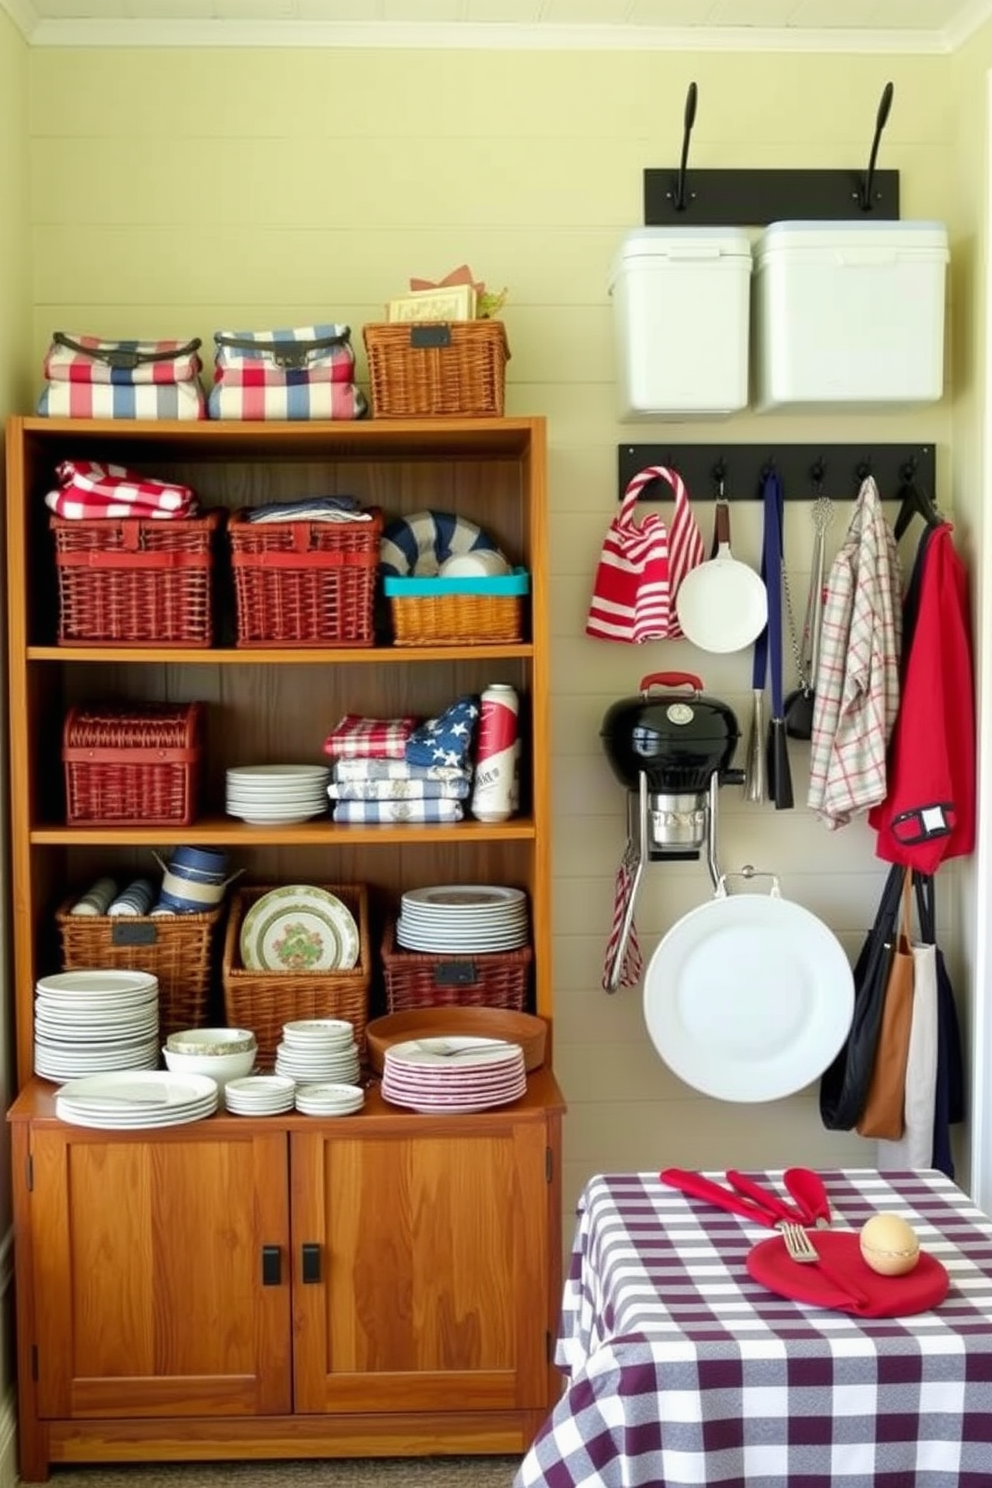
(682, 1371)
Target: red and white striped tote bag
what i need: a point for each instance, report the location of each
(642, 565)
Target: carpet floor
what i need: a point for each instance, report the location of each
(393, 1472)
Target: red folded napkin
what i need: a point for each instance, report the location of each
(885, 1296)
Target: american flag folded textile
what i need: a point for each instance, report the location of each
(281, 358)
(163, 400)
(398, 811)
(87, 359)
(346, 770)
(303, 400)
(369, 738)
(88, 489)
(447, 739)
(399, 790)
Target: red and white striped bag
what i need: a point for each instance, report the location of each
(642, 565)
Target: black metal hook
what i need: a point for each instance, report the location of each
(907, 471)
(881, 118)
(818, 471)
(863, 470)
(688, 121)
(720, 472)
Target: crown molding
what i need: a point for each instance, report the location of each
(23, 15)
(468, 35)
(966, 23)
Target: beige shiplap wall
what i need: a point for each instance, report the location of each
(15, 386)
(250, 188)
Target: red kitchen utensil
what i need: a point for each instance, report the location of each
(699, 1187)
(808, 1190)
(766, 1196)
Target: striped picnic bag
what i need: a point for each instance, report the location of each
(96, 377)
(642, 565)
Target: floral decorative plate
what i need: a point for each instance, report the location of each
(299, 928)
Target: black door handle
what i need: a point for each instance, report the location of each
(311, 1263)
(271, 1265)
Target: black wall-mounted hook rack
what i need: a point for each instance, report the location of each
(754, 198)
(805, 469)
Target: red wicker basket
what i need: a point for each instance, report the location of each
(305, 583)
(132, 582)
(419, 979)
(133, 766)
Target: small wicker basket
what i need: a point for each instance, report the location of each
(452, 369)
(178, 949)
(457, 612)
(265, 1000)
(135, 582)
(305, 583)
(133, 766)
(419, 979)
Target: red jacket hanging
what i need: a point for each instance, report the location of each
(929, 810)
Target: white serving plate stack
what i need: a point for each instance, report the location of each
(463, 919)
(318, 1051)
(95, 1022)
(329, 1099)
(453, 1075)
(135, 1099)
(277, 795)
(259, 1095)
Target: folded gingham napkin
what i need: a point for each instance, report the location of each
(398, 811)
(88, 489)
(369, 738)
(358, 770)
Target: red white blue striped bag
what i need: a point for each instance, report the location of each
(72, 358)
(101, 400)
(303, 372)
(642, 565)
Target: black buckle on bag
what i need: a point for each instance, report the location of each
(924, 823)
(290, 356)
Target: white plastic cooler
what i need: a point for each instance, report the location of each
(680, 313)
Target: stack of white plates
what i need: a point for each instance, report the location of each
(136, 1099)
(329, 1100)
(318, 1050)
(463, 919)
(259, 1095)
(92, 1022)
(457, 1075)
(277, 795)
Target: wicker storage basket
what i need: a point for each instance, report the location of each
(177, 949)
(462, 612)
(265, 1000)
(451, 368)
(134, 766)
(418, 979)
(305, 583)
(135, 582)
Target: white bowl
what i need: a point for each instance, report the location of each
(211, 1041)
(219, 1067)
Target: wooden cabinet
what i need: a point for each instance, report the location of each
(384, 1285)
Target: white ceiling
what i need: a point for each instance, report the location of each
(875, 25)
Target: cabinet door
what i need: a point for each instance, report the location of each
(148, 1283)
(425, 1285)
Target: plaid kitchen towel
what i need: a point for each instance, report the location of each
(447, 739)
(94, 400)
(349, 770)
(89, 359)
(90, 480)
(369, 738)
(398, 811)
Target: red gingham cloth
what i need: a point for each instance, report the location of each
(356, 737)
(89, 489)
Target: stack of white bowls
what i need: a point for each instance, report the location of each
(259, 1095)
(277, 795)
(318, 1050)
(329, 1100)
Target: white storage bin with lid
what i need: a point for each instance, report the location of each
(849, 313)
(681, 307)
